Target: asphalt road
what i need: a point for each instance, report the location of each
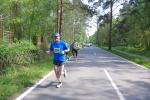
(97, 75)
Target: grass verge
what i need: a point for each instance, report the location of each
(131, 58)
(145, 53)
(17, 78)
(134, 59)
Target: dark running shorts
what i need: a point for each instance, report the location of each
(58, 63)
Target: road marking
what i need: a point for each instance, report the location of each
(34, 86)
(120, 95)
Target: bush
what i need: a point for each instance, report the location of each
(4, 53)
(19, 53)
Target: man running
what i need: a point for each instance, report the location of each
(58, 48)
(75, 48)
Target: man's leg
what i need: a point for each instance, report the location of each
(56, 69)
(59, 73)
(76, 54)
(73, 52)
(59, 70)
(63, 71)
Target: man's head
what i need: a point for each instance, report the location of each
(57, 36)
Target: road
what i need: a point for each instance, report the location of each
(97, 75)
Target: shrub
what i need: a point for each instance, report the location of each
(4, 53)
(20, 53)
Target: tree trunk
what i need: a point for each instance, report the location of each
(110, 31)
(147, 46)
(45, 40)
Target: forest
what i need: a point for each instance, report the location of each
(131, 28)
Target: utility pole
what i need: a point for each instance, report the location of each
(110, 30)
(60, 18)
(57, 26)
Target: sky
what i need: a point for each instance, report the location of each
(70, 0)
(92, 21)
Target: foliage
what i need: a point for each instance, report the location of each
(134, 24)
(28, 18)
(130, 28)
(138, 60)
(4, 52)
(134, 59)
(133, 50)
(15, 79)
(74, 22)
(20, 53)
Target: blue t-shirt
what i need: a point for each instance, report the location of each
(57, 48)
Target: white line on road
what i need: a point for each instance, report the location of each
(34, 86)
(114, 86)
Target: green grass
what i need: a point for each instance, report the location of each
(17, 78)
(145, 53)
(134, 59)
(131, 58)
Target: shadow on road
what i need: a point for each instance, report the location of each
(51, 84)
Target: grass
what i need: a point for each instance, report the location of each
(17, 78)
(138, 60)
(131, 58)
(145, 53)
(134, 59)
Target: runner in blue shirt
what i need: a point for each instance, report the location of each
(59, 48)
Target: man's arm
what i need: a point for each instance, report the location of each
(66, 49)
(49, 52)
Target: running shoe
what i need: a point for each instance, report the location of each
(59, 85)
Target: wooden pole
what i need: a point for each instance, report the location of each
(60, 20)
(57, 20)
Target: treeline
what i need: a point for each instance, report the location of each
(26, 19)
(130, 28)
(34, 20)
(25, 26)
(30, 24)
